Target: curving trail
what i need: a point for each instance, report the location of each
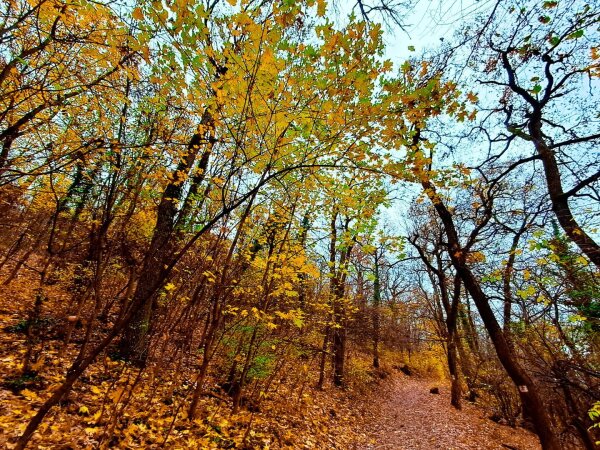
(410, 418)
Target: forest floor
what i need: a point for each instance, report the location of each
(409, 417)
(386, 410)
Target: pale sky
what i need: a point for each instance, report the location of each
(428, 22)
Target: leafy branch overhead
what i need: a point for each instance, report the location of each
(235, 224)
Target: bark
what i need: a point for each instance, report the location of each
(376, 318)
(576, 421)
(451, 320)
(323, 359)
(32, 330)
(468, 324)
(338, 282)
(560, 201)
(329, 330)
(134, 341)
(338, 341)
(6, 146)
(467, 369)
(302, 277)
(507, 289)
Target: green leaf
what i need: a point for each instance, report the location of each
(537, 89)
(575, 35)
(310, 51)
(411, 48)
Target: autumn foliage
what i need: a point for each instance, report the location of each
(194, 247)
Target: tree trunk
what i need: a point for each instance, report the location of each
(323, 359)
(338, 342)
(376, 317)
(338, 282)
(134, 341)
(451, 320)
(560, 201)
(525, 384)
(446, 328)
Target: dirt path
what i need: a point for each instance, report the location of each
(411, 418)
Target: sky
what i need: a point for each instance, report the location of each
(426, 23)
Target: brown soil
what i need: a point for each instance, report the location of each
(409, 417)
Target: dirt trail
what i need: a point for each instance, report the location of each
(411, 418)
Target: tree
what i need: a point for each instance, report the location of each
(538, 61)
(429, 246)
(192, 143)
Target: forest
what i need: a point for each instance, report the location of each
(265, 224)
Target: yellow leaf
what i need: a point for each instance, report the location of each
(29, 395)
(84, 410)
(116, 396)
(137, 14)
(39, 363)
(321, 6)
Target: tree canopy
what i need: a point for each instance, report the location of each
(206, 204)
